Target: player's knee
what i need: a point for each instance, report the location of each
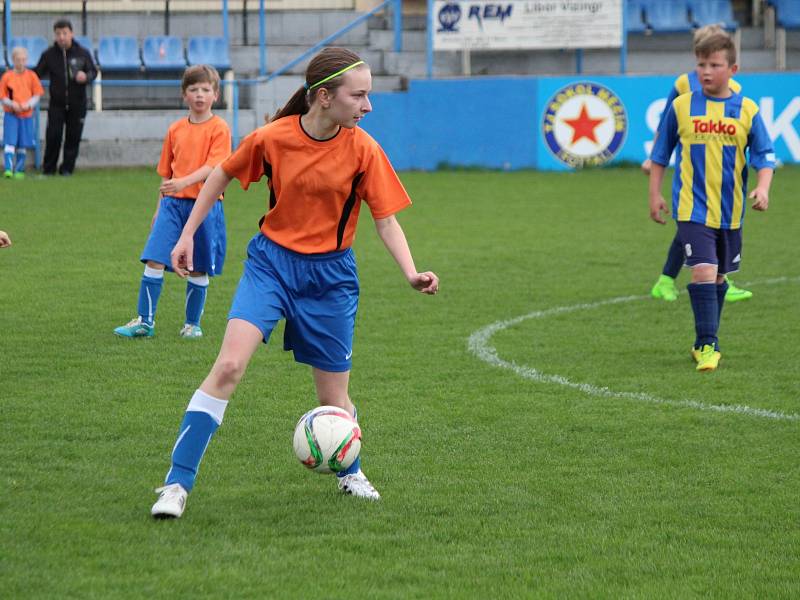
(229, 370)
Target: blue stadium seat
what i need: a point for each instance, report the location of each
(118, 53)
(163, 52)
(86, 43)
(667, 16)
(633, 17)
(204, 50)
(787, 13)
(713, 12)
(34, 44)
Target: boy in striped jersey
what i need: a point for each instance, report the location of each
(711, 129)
(665, 288)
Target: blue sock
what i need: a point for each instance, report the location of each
(356, 466)
(675, 259)
(195, 299)
(9, 160)
(20, 167)
(722, 289)
(149, 292)
(706, 312)
(202, 418)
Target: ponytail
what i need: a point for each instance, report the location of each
(297, 105)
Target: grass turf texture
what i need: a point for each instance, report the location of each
(493, 485)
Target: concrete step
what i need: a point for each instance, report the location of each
(245, 59)
(383, 39)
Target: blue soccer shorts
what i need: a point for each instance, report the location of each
(317, 294)
(707, 246)
(17, 131)
(210, 243)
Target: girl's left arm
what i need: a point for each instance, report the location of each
(394, 239)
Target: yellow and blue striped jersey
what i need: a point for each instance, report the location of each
(710, 137)
(690, 82)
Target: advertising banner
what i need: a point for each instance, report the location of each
(527, 24)
(552, 123)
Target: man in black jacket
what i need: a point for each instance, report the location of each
(70, 68)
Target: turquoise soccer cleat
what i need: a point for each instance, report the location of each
(191, 332)
(136, 328)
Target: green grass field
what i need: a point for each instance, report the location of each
(496, 482)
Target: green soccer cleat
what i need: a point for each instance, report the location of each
(191, 332)
(734, 294)
(707, 358)
(8, 174)
(665, 289)
(136, 328)
(19, 175)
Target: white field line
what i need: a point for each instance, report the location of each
(479, 344)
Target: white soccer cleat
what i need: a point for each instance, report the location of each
(357, 484)
(170, 503)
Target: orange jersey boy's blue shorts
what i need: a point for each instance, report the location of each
(210, 241)
(317, 294)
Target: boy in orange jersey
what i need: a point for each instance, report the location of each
(192, 148)
(20, 90)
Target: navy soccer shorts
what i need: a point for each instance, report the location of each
(707, 246)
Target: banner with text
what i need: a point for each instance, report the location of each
(552, 123)
(527, 24)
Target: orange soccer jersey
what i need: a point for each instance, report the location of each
(316, 187)
(189, 146)
(20, 87)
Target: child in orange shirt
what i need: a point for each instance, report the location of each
(20, 90)
(192, 148)
(320, 167)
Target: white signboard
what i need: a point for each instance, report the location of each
(526, 24)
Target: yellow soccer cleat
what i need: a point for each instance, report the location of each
(707, 358)
(695, 354)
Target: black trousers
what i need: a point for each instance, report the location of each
(59, 118)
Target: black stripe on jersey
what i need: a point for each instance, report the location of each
(268, 172)
(348, 208)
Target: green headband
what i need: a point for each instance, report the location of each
(329, 77)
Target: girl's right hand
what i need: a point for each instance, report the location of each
(182, 256)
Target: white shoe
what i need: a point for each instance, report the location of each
(170, 503)
(357, 484)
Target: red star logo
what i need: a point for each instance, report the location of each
(583, 125)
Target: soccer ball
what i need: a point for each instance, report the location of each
(327, 439)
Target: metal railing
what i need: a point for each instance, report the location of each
(397, 16)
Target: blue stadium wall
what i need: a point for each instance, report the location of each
(499, 122)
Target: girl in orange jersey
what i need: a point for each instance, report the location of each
(319, 166)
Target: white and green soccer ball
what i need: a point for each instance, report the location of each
(327, 439)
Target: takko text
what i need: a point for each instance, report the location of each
(711, 126)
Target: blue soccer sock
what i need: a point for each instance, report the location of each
(675, 259)
(202, 418)
(706, 312)
(20, 166)
(196, 290)
(149, 292)
(8, 158)
(356, 466)
(722, 289)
